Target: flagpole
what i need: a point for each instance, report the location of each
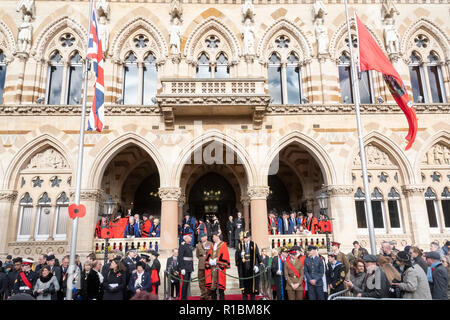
(355, 88)
(73, 244)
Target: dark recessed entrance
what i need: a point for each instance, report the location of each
(146, 199)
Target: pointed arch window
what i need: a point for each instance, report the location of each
(130, 80)
(44, 215)
(222, 70)
(417, 78)
(2, 75)
(203, 67)
(55, 79)
(61, 214)
(25, 218)
(394, 210)
(378, 213)
(445, 201)
(436, 79)
(150, 80)
(274, 79)
(360, 209)
(293, 80)
(432, 210)
(74, 79)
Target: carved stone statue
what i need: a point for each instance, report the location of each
(49, 158)
(103, 33)
(390, 36)
(25, 35)
(248, 10)
(374, 156)
(322, 37)
(175, 37)
(439, 154)
(249, 38)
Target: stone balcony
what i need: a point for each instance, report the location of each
(213, 97)
(303, 241)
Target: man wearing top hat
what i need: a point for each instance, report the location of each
(340, 256)
(293, 271)
(277, 270)
(26, 278)
(186, 264)
(335, 273)
(201, 251)
(248, 263)
(239, 226)
(314, 271)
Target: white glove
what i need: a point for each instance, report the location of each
(183, 272)
(279, 272)
(256, 269)
(242, 254)
(212, 262)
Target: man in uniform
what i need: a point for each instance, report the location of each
(335, 273)
(293, 272)
(278, 273)
(340, 256)
(13, 274)
(314, 271)
(130, 262)
(239, 226)
(310, 223)
(26, 278)
(248, 262)
(186, 264)
(216, 262)
(202, 249)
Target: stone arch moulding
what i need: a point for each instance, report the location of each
(125, 32)
(27, 151)
(105, 156)
(49, 32)
(292, 30)
(222, 29)
(433, 30)
(227, 141)
(393, 151)
(10, 47)
(341, 32)
(315, 150)
(440, 136)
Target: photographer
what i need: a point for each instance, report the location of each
(46, 286)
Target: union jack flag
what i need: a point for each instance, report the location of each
(96, 116)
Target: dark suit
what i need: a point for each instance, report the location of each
(172, 268)
(230, 232)
(280, 282)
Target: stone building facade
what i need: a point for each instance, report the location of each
(256, 95)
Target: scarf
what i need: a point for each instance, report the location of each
(430, 270)
(47, 278)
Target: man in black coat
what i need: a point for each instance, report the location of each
(130, 262)
(172, 269)
(230, 232)
(277, 270)
(42, 262)
(186, 264)
(248, 262)
(437, 276)
(12, 275)
(239, 226)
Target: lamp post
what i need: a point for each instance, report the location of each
(109, 208)
(323, 204)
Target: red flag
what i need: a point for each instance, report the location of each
(371, 57)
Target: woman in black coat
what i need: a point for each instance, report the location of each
(154, 271)
(114, 283)
(90, 283)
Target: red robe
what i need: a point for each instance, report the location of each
(310, 224)
(146, 228)
(223, 262)
(118, 227)
(324, 226)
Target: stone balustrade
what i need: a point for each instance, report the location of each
(121, 245)
(304, 241)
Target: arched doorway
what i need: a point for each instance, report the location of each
(212, 195)
(146, 199)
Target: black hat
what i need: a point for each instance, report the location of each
(370, 258)
(9, 257)
(433, 255)
(145, 256)
(295, 248)
(18, 259)
(51, 257)
(312, 248)
(154, 253)
(403, 256)
(140, 264)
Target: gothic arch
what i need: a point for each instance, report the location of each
(432, 30)
(304, 50)
(105, 156)
(336, 46)
(194, 45)
(27, 151)
(391, 148)
(141, 24)
(315, 149)
(438, 137)
(44, 43)
(209, 136)
(8, 45)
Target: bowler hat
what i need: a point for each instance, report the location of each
(433, 255)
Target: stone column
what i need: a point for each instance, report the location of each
(258, 202)
(416, 206)
(169, 217)
(141, 66)
(91, 199)
(7, 198)
(181, 203)
(428, 96)
(246, 211)
(284, 82)
(341, 207)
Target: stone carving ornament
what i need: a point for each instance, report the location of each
(391, 39)
(24, 37)
(103, 12)
(322, 37)
(175, 37)
(169, 193)
(249, 37)
(255, 193)
(439, 154)
(49, 158)
(374, 156)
